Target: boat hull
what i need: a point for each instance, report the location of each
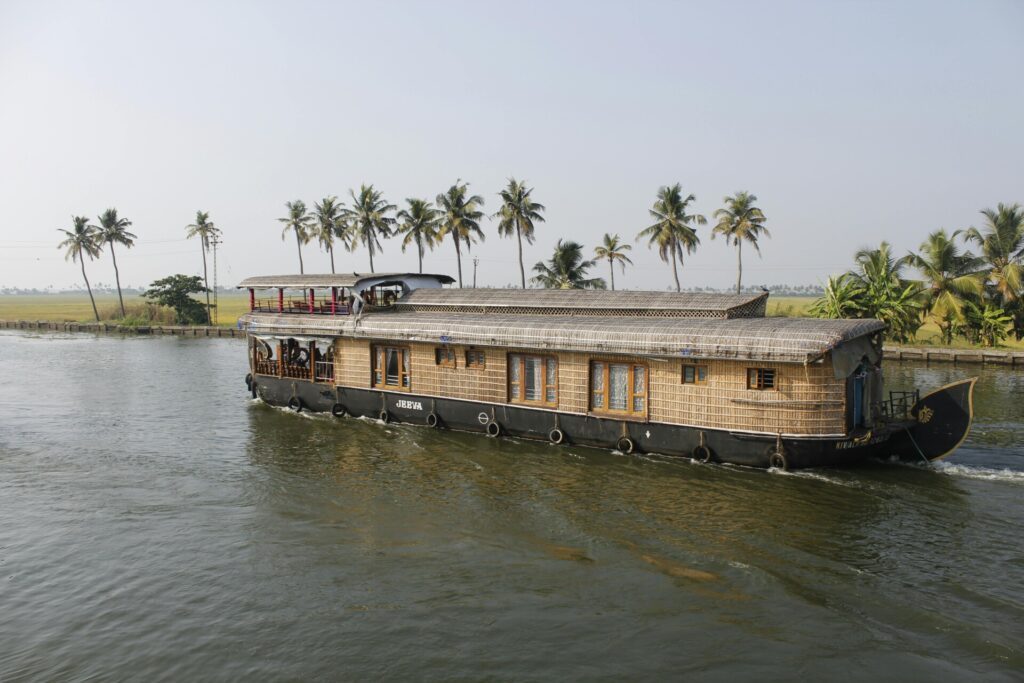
(712, 445)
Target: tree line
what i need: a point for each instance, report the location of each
(977, 297)
(456, 215)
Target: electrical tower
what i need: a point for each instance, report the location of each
(214, 241)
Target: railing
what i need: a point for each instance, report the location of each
(266, 367)
(322, 307)
(296, 371)
(899, 404)
(324, 371)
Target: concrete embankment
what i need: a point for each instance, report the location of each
(890, 352)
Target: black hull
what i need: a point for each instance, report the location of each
(752, 450)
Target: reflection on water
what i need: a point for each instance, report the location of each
(166, 525)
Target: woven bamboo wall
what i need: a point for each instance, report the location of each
(808, 399)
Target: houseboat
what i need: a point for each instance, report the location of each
(705, 376)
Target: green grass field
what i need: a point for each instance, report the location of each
(75, 307)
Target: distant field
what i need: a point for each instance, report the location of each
(76, 307)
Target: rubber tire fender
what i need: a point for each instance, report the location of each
(295, 403)
(384, 416)
(433, 420)
(248, 381)
(625, 445)
(252, 390)
(701, 454)
(493, 428)
(338, 410)
(556, 436)
(778, 461)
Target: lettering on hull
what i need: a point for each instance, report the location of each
(408, 405)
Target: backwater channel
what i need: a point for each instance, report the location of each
(158, 524)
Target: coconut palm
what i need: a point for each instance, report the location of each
(740, 221)
(672, 230)
(951, 278)
(517, 215)
(567, 269)
(841, 299)
(300, 222)
(368, 218)
(460, 218)
(613, 250)
(82, 241)
(1002, 247)
(886, 294)
(206, 231)
(115, 229)
(419, 224)
(328, 224)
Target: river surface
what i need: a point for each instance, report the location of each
(157, 524)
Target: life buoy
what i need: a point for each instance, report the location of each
(493, 428)
(625, 444)
(384, 416)
(777, 459)
(701, 453)
(432, 420)
(556, 435)
(338, 410)
(295, 403)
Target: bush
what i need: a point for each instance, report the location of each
(136, 314)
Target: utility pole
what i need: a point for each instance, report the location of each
(476, 260)
(214, 241)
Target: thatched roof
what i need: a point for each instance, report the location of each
(331, 280)
(585, 302)
(788, 340)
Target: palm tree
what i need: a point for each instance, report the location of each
(113, 229)
(517, 215)
(567, 269)
(419, 224)
(886, 295)
(299, 221)
(328, 224)
(671, 230)
(460, 218)
(80, 242)
(841, 299)
(206, 231)
(740, 221)
(613, 250)
(368, 218)
(951, 277)
(1002, 246)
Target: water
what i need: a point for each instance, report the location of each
(159, 525)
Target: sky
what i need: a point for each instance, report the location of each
(852, 122)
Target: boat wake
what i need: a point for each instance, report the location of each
(974, 472)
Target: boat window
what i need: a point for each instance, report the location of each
(618, 388)
(391, 367)
(444, 356)
(760, 378)
(695, 374)
(532, 379)
(476, 359)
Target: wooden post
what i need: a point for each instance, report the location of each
(312, 299)
(312, 360)
(334, 300)
(252, 299)
(280, 299)
(280, 358)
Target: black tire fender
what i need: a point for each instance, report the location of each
(625, 444)
(493, 428)
(701, 453)
(556, 436)
(433, 420)
(252, 389)
(384, 416)
(338, 410)
(295, 403)
(248, 381)
(777, 459)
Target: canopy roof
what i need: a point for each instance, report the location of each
(331, 280)
(585, 302)
(786, 340)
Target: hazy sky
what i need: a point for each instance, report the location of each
(853, 122)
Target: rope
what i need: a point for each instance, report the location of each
(919, 451)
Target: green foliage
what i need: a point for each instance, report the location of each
(672, 230)
(612, 249)
(988, 325)
(173, 291)
(841, 299)
(460, 218)
(369, 218)
(740, 221)
(420, 225)
(329, 223)
(567, 269)
(517, 216)
(300, 222)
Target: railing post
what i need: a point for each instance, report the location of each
(334, 300)
(312, 360)
(312, 299)
(280, 299)
(280, 358)
(252, 299)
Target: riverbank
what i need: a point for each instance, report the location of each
(890, 352)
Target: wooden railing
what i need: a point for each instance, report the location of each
(322, 307)
(296, 371)
(266, 367)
